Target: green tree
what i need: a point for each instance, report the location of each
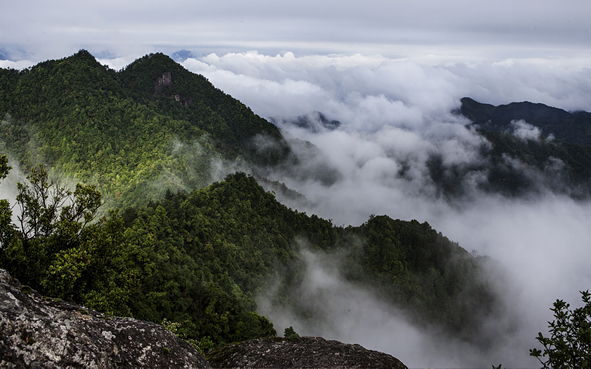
(47, 207)
(6, 227)
(51, 226)
(4, 167)
(290, 333)
(569, 344)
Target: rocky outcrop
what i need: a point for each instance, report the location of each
(37, 332)
(42, 333)
(305, 352)
(165, 80)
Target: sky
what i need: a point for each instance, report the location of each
(391, 72)
(454, 30)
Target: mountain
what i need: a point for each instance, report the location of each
(199, 260)
(135, 132)
(529, 149)
(177, 245)
(574, 128)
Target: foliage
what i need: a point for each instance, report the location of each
(194, 262)
(290, 333)
(235, 235)
(559, 160)
(144, 138)
(4, 167)
(46, 207)
(113, 130)
(6, 227)
(574, 128)
(569, 343)
(57, 249)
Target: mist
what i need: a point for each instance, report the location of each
(394, 115)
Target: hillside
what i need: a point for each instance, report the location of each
(135, 132)
(200, 259)
(184, 249)
(529, 149)
(574, 128)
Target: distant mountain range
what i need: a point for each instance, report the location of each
(558, 159)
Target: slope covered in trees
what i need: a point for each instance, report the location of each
(529, 149)
(565, 126)
(150, 126)
(144, 138)
(198, 260)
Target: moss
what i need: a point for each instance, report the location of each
(55, 299)
(26, 289)
(165, 350)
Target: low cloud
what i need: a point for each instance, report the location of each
(354, 313)
(346, 82)
(525, 131)
(396, 118)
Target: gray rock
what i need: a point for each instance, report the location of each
(38, 332)
(304, 352)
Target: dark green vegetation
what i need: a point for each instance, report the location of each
(569, 344)
(179, 253)
(568, 127)
(558, 161)
(133, 133)
(199, 259)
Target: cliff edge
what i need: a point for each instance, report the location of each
(304, 352)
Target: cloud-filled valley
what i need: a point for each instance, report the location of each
(376, 135)
(394, 116)
(367, 94)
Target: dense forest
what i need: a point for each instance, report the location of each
(558, 160)
(198, 259)
(152, 126)
(150, 232)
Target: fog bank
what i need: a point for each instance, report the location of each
(395, 115)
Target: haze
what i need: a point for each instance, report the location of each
(391, 72)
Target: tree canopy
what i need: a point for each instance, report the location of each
(569, 343)
(197, 260)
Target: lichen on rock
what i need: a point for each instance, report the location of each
(45, 333)
(304, 352)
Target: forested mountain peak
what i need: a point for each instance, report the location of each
(143, 74)
(152, 122)
(564, 126)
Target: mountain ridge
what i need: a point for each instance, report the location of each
(112, 129)
(190, 249)
(570, 127)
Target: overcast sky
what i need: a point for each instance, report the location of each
(442, 30)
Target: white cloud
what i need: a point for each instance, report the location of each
(396, 114)
(21, 64)
(524, 130)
